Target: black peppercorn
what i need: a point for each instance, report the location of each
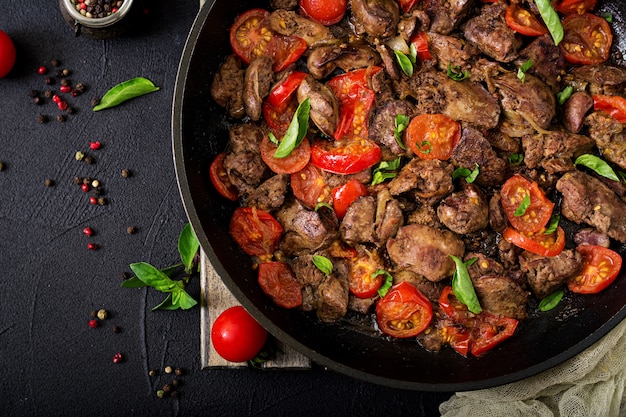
(61, 118)
(116, 329)
(88, 160)
(48, 93)
(125, 173)
(174, 394)
(153, 372)
(49, 182)
(65, 81)
(176, 382)
(179, 371)
(55, 63)
(80, 87)
(49, 80)
(167, 388)
(124, 275)
(38, 100)
(93, 313)
(34, 93)
(95, 101)
(131, 230)
(42, 118)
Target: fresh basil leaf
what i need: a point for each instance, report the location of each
(598, 165)
(564, 94)
(400, 124)
(385, 170)
(124, 91)
(153, 277)
(425, 147)
(454, 72)
(387, 283)
(165, 304)
(553, 223)
(607, 16)
(133, 282)
(323, 264)
(296, 131)
(323, 204)
(405, 63)
(551, 301)
(273, 139)
(516, 159)
(521, 72)
(523, 206)
(551, 19)
(182, 300)
(622, 174)
(188, 246)
(463, 287)
(461, 172)
(413, 53)
(472, 176)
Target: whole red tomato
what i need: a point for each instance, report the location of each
(236, 336)
(7, 54)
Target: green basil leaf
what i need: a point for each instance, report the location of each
(551, 19)
(387, 283)
(296, 131)
(322, 204)
(461, 172)
(405, 63)
(598, 165)
(521, 72)
(124, 91)
(401, 123)
(516, 159)
(463, 287)
(133, 282)
(454, 72)
(273, 139)
(165, 304)
(553, 223)
(323, 264)
(188, 246)
(413, 53)
(472, 176)
(153, 277)
(425, 147)
(607, 16)
(551, 301)
(385, 170)
(564, 94)
(523, 206)
(181, 299)
(622, 174)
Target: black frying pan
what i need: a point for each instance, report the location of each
(200, 132)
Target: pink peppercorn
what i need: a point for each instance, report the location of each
(85, 187)
(62, 105)
(88, 231)
(56, 99)
(93, 323)
(93, 200)
(95, 145)
(65, 88)
(92, 246)
(42, 70)
(118, 357)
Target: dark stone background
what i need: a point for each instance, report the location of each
(52, 363)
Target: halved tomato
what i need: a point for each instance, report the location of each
(536, 215)
(279, 121)
(407, 5)
(309, 186)
(282, 93)
(256, 232)
(292, 163)
(404, 311)
(340, 249)
(524, 22)
(489, 331)
(344, 196)
(538, 243)
(420, 40)
(360, 270)
(457, 336)
(347, 156)
(278, 281)
(601, 267)
(587, 39)
(574, 6)
(220, 180)
(326, 12)
(615, 106)
(285, 50)
(452, 307)
(433, 136)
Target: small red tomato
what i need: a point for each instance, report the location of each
(7, 54)
(324, 11)
(236, 336)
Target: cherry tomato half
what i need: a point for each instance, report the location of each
(404, 311)
(278, 281)
(420, 40)
(407, 5)
(256, 232)
(538, 243)
(294, 162)
(574, 6)
(538, 213)
(236, 336)
(489, 331)
(7, 54)
(281, 94)
(220, 180)
(360, 271)
(457, 336)
(587, 39)
(524, 22)
(452, 307)
(279, 121)
(309, 186)
(600, 268)
(346, 156)
(615, 106)
(344, 196)
(285, 50)
(326, 12)
(433, 136)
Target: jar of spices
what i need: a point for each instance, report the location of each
(97, 19)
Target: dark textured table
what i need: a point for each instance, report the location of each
(53, 363)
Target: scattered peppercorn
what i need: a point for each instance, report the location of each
(95, 183)
(88, 231)
(124, 275)
(86, 180)
(55, 63)
(179, 371)
(70, 110)
(85, 187)
(168, 369)
(65, 72)
(92, 246)
(125, 173)
(93, 313)
(65, 88)
(103, 314)
(48, 93)
(49, 80)
(131, 230)
(42, 70)
(95, 145)
(174, 394)
(153, 372)
(176, 382)
(167, 388)
(115, 329)
(38, 100)
(61, 118)
(80, 88)
(102, 201)
(93, 323)
(93, 200)
(1, 166)
(42, 118)
(79, 155)
(89, 160)
(118, 357)
(78, 180)
(49, 182)
(160, 393)
(95, 101)
(34, 93)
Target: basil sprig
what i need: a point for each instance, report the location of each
(523, 206)
(551, 301)
(598, 165)
(323, 264)
(521, 72)
(385, 170)
(516, 159)
(463, 287)
(124, 91)
(552, 224)
(564, 94)
(387, 283)
(296, 131)
(401, 122)
(470, 176)
(551, 19)
(147, 275)
(407, 62)
(455, 72)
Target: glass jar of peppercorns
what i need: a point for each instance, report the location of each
(97, 19)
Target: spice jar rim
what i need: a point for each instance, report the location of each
(97, 22)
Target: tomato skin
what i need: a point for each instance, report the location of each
(601, 267)
(489, 331)
(360, 271)
(615, 106)
(326, 12)
(433, 136)
(308, 186)
(7, 54)
(587, 39)
(404, 311)
(420, 40)
(278, 281)
(537, 214)
(407, 5)
(574, 6)
(279, 121)
(539, 243)
(344, 196)
(285, 50)
(256, 232)
(524, 22)
(281, 94)
(452, 307)
(457, 336)
(220, 180)
(345, 156)
(292, 163)
(236, 336)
